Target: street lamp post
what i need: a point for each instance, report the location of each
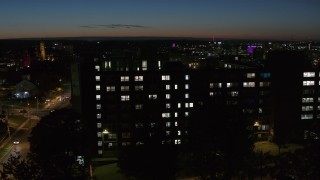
(104, 132)
(37, 101)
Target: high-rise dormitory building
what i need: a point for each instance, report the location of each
(126, 101)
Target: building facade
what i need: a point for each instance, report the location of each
(129, 105)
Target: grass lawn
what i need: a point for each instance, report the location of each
(272, 148)
(5, 149)
(110, 172)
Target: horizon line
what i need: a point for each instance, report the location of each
(154, 37)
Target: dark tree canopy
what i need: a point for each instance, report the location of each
(56, 142)
(218, 141)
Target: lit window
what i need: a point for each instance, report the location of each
(98, 116)
(165, 77)
(179, 105)
(138, 88)
(176, 123)
(167, 96)
(251, 75)
(124, 78)
(99, 125)
(308, 83)
(165, 115)
(99, 143)
(98, 97)
(98, 87)
(168, 124)
(307, 100)
(138, 78)
(264, 84)
(111, 88)
(97, 78)
(99, 151)
(215, 85)
(99, 134)
(191, 105)
(125, 98)
(186, 114)
(179, 132)
(138, 106)
(233, 93)
(152, 125)
(307, 108)
(168, 106)
(186, 96)
(144, 65)
(186, 86)
(167, 87)
(153, 96)
(168, 133)
(124, 88)
(186, 105)
(175, 86)
(187, 77)
(306, 116)
(107, 64)
(210, 93)
(177, 141)
(97, 68)
(260, 110)
(232, 84)
(309, 74)
(98, 106)
(248, 84)
(175, 114)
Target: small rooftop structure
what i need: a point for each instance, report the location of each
(25, 89)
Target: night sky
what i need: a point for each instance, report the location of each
(241, 19)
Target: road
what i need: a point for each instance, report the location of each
(23, 131)
(21, 134)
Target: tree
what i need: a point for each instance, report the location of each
(55, 143)
(18, 168)
(218, 141)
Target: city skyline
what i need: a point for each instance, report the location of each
(274, 20)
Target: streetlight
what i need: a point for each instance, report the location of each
(256, 126)
(105, 131)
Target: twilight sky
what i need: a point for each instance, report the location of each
(250, 19)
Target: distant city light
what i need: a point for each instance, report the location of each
(250, 49)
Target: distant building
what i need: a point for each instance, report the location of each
(26, 59)
(25, 89)
(127, 105)
(42, 51)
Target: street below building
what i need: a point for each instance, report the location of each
(17, 141)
